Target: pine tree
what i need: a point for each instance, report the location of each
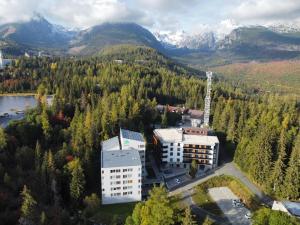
(28, 208)
(188, 218)
(292, 178)
(260, 160)
(164, 119)
(157, 209)
(193, 168)
(277, 175)
(38, 157)
(2, 139)
(77, 182)
(45, 123)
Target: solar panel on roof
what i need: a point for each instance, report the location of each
(132, 135)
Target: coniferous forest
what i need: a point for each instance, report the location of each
(49, 161)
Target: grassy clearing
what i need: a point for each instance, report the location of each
(112, 214)
(202, 198)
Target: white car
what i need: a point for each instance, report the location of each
(248, 215)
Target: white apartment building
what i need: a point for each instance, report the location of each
(121, 176)
(134, 140)
(179, 147)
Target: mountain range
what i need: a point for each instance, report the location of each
(242, 43)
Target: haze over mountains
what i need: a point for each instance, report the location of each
(242, 43)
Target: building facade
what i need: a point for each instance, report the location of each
(121, 176)
(134, 140)
(122, 167)
(179, 147)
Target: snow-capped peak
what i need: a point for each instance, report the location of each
(291, 27)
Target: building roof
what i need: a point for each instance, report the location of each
(177, 135)
(132, 135)
(120, 158)
(196, 114)
(111, 144)
(292, 207)
(169, 135)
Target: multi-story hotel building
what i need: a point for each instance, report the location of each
(121, 176)
(134, 140)
(179, 147)
(122, 167)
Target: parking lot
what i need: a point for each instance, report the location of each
(223, 196)
(177, 181)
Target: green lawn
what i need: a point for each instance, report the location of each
(110, 214)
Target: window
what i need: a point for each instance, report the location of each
(103, 189)
(115, 188)
(171, 153)
(124, 170)
(130, 170)
(178, 144)
(178, 160)
(178, 149)
(102, 171)
(178, 153)
(171, 144)
(112, 171)
(171, 160)
(171, 149)
(118, 171)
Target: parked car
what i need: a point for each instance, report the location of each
(248, 215)
(177, 181)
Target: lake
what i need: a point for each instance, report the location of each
(13, 107)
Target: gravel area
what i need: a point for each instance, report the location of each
(223, 196)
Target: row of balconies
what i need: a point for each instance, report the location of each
(197, 156)
(197, 151)
(196, 146)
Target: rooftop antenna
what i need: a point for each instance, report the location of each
(207, 99)
(1, 59)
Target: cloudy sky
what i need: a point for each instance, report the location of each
(188, 15)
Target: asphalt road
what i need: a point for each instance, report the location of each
(186, 191)
(227, 169)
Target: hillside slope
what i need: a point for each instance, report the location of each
(277, 76)
(91, 41)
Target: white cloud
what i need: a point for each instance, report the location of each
(74, 13)
(266, 11)
(191, 15)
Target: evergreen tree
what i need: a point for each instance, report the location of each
(277, 175)
(28, 208)
(193, 168)
(260, 161)
(45, 123)
(38, 157)
(164, 119)
(157, 209)
(2, 139)
(188, 218)
(77, 182)
(292, 178)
